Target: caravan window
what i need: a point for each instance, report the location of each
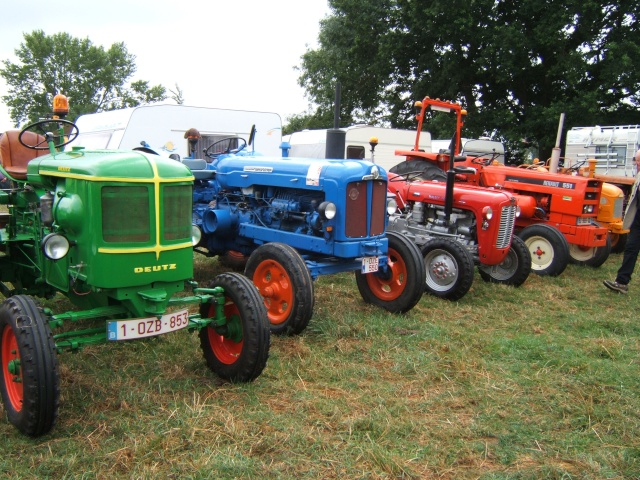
(206, 141)
(615, 154)
(355, 152)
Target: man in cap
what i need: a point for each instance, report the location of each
(632, 247)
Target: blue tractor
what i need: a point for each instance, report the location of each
(288, 220)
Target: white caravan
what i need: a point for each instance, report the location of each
(312, 143)
(613, 148)
(162, 127)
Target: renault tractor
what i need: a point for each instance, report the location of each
(111, 231)
(558, 212)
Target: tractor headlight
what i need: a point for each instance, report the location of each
(55, 246)
(196, 235)
(392, 206)
(327, 210)
(487, 212)
(518, 211)
(587, 209)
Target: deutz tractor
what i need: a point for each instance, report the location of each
(290, 220)
(111, 231)
(558, 213)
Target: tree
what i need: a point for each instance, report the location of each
(515, 66)
(92, 77)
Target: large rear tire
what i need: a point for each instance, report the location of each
(513, 270)
(400, 287)
(548, 248)
(237, 352)
(284, 281)
(449, 268)
(29, 378)
(419, 170)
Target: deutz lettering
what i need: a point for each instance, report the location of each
(155, 268)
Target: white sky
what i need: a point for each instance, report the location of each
(237, 54)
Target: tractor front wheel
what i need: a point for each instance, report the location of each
(590, 257)
(284, 281)
(618, 242)
(548, 248)
(449, 268)
(400, 286)
(513, 270)
(29, 378)
(240, 352)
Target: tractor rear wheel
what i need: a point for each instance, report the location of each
(419, 170)
(239, 350)
(590, 257)
(548, 248)
(29, 378)
(513, 270)
(449, 268)
(400, 286)
(284, 281)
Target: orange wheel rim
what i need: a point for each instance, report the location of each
(225, 349)
(11, 368)
(390, 287)
(275, 287)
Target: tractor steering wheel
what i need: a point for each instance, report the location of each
(210, 150)
(43, 127)
(481, 160)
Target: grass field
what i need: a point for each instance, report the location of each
(537, 382)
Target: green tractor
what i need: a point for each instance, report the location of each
(111, 231)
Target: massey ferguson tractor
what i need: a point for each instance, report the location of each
(456, 228)
(558, 212)
(111, 231)
(290, 220)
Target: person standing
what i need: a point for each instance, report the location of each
(632, 247)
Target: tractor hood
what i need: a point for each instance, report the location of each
(105, 165)
(244, 171)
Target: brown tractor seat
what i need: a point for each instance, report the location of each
(14, 156)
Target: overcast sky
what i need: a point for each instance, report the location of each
(236, 54)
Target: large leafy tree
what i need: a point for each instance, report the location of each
(515, 66)
(93, 78)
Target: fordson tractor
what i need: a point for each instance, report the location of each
(290, 220)
(558, 212)
(456, 228)
(111, 231)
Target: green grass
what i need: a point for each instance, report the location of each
(542, 381)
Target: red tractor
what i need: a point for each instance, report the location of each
(558, 212)
(456, 229)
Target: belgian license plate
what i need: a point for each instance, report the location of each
(147, 327)
(369, 264)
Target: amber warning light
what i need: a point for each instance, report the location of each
(60, 105)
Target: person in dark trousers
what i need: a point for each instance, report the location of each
(632, 247)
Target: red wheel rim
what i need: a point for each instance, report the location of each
(225, 349)
(10, 360)
(390, 288)
(275, 287)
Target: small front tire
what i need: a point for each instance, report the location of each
(240, 354)
(513, 270)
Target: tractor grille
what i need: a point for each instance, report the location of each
(176, 212)
(126, 214)
(618, 206)
(364, 219)
(505, 232)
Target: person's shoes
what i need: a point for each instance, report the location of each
(616, 287)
